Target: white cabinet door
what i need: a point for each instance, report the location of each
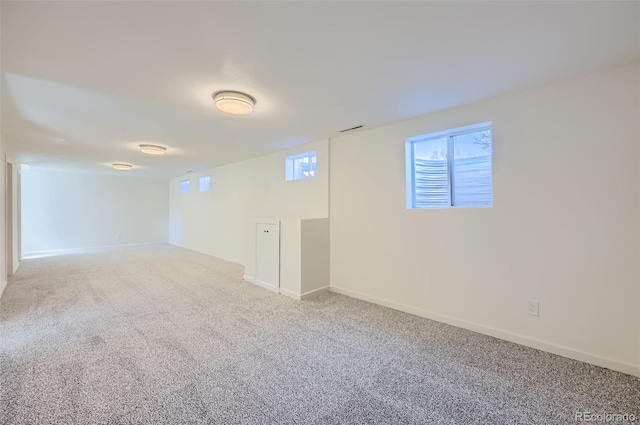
(268, 255)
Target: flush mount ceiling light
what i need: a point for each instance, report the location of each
(122, 167)
(152, 149)
(233, 102)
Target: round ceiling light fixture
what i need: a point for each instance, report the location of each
(233, 102)
(153, 149)
(122, 167)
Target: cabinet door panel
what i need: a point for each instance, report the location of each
(268, 254)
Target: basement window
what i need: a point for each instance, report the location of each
(185, 185)
(205, 183)
(450, 168)
(301, 166)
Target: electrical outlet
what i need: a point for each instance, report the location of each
(533, 308)
(118, 237)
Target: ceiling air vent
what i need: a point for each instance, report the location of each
(349, 129)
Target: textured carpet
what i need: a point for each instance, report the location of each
(165, 335)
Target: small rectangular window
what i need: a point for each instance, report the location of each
(450, 168)
(185, 185)
(205, 183)
(301, 166)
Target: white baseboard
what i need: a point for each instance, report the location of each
(16, 267)
(87, 250)
(262, 284)
(298, 296)
(550, 347)
(291, 294)
(3, 287)
(314, 292)
(286, 292)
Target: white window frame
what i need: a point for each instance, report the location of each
(290, 161)
(188, 182)
(410, 163)
(207, 186)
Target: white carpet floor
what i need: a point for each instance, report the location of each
(168, 336)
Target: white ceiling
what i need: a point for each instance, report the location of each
(83, 83)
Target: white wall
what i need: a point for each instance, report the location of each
(215, 222)
(64, 210)
(290, 257)
(563, 230)
(3, 266)
(314, 255)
